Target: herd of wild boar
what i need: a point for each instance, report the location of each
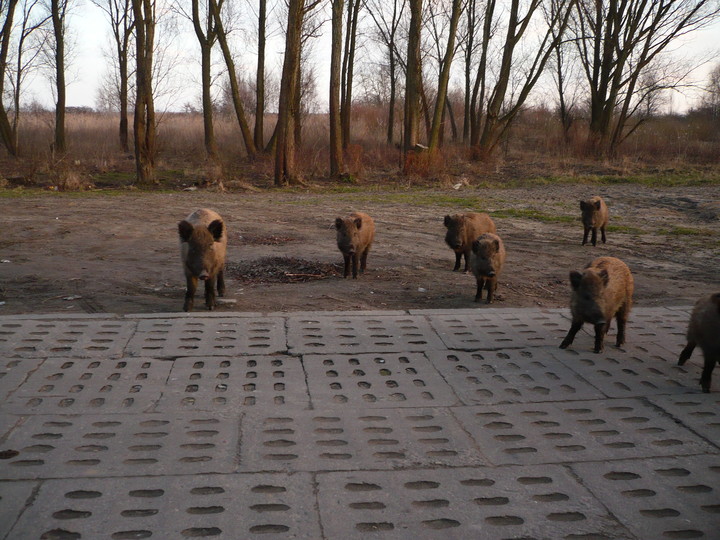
(603, 289)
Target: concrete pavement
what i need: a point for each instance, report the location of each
(326, 425)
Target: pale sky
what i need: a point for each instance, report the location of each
(90, 30)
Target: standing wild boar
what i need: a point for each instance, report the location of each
(594, 215)
(462, 230)
(704, 330)
(487, 263)
(602, 291)
(203, 243)
(355, 235)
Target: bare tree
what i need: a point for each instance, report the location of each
(144, 126)
(387, 27)
(499, 113)
(413, 78)
(258, 134)
(617, 40)
(7, 11)
(336, 147)
(711, 98)
(216, 7)
(58, 15)
(120, 16)
(348, 68)
(445, 65)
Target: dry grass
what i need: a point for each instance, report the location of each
(534, 148)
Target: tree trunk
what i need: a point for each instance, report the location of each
(412, 78)
(434, 139)
(206, 39)
(247, 136)
(259, 135)
(144, 119)
(336, 148)
(285, 166)
(6, 132)
(393, 92)
(57, 11)
(348, 70)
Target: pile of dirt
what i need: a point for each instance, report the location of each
(280, 270)
(265, 239)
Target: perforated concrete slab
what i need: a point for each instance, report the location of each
(507, 502)
(376, 380)
(660, 498)
(13, 371)
(121, 445)
(80, 385)
(222, 383)
(357, 334)
(13, 497)
(510, 376)
(207, 506)
(323, 440)
(74, 337)
(699, 412)
(659, 325)
(480, 330)
(208, 336)
(577, 431)
(638, 370)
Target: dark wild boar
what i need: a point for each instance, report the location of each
(594, 216)
(203, 243)
(704, 330)
(355, 235)
(487, 263)
(462, 230)
(602, 291)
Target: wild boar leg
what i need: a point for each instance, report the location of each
(363, 260)
(458, 257)
(346, 272)
(686, 353)
(710, 362)
(480, 286)
(355, 258)
(602, 230)
(491, 285)
(190, 293)
(221, 283)
(594, 236)
(210, 293)
(585, 235)
(574, 329)
(600, 330)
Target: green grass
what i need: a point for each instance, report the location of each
(687, 231)
(624, 229)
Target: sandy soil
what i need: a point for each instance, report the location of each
(99, 253)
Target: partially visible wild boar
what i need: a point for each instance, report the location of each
(594, 216)
(487, 263)
(704, 330)
(602, 291)
(203, 244)
(355, 235)
(462, 230)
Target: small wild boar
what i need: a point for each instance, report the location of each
(462, 230)
(203, 244)
(594, 216)
(355, 235)
(704, 330)
(487, 263)
(602, 291)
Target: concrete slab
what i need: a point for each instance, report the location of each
(396, 425)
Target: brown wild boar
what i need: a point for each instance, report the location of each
(203, 244)
(704, 330)
(462, 230)
(594, 216)
(355, 235)
(487, 263)
(602, 291)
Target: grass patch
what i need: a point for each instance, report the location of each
(624, 229)
(687, 231)
(530, 213)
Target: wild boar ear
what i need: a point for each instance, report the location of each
(185, 229)
(604, 276)
(358, 222)
(582, 205)
(447, 221)
(216, 228)
(338, 223)
(716, 299)
(597, 205)
(475, 246)
(497, 244)
(575, 278)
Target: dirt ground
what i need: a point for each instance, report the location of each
(100, 253)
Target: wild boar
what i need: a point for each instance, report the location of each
(462, 230)
(704, 330)
(602, 291)
(355, 235)
(203, 244)
(594, 216)
(487, 263)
